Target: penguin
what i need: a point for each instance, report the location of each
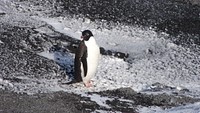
(86, 59)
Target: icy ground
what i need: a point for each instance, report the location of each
(152, 59)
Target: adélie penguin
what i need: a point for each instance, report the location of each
(86, 59)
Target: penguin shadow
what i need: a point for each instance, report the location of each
(65, 60)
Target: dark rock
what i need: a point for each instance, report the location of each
(161, 100)
(113, 53)
(2, 13)
(58, 102)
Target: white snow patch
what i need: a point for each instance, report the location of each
(154, 59)
(5, 84)
(190, 108)
(5, 6)
(1, 42)
(137, 40)
(47, 55)
(103, 111)
(100, 100)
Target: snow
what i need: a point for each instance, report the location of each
(5, 4)
(102, 111)
(146, 68)
(5, 83)
(1, 42)
(191, 108)
(98, 99)
(137, 38)
(165, 65)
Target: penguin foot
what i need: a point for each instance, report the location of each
(88, 84)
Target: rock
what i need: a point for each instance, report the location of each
(2, 13)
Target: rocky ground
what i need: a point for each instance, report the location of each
(21, 40)
(62, 102)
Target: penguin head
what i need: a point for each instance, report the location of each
(86, 34)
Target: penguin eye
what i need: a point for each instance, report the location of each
(86, 34)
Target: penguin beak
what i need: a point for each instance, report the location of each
(83, 37)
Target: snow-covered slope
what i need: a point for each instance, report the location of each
(152, 58)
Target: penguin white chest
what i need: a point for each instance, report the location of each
(93, 54)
